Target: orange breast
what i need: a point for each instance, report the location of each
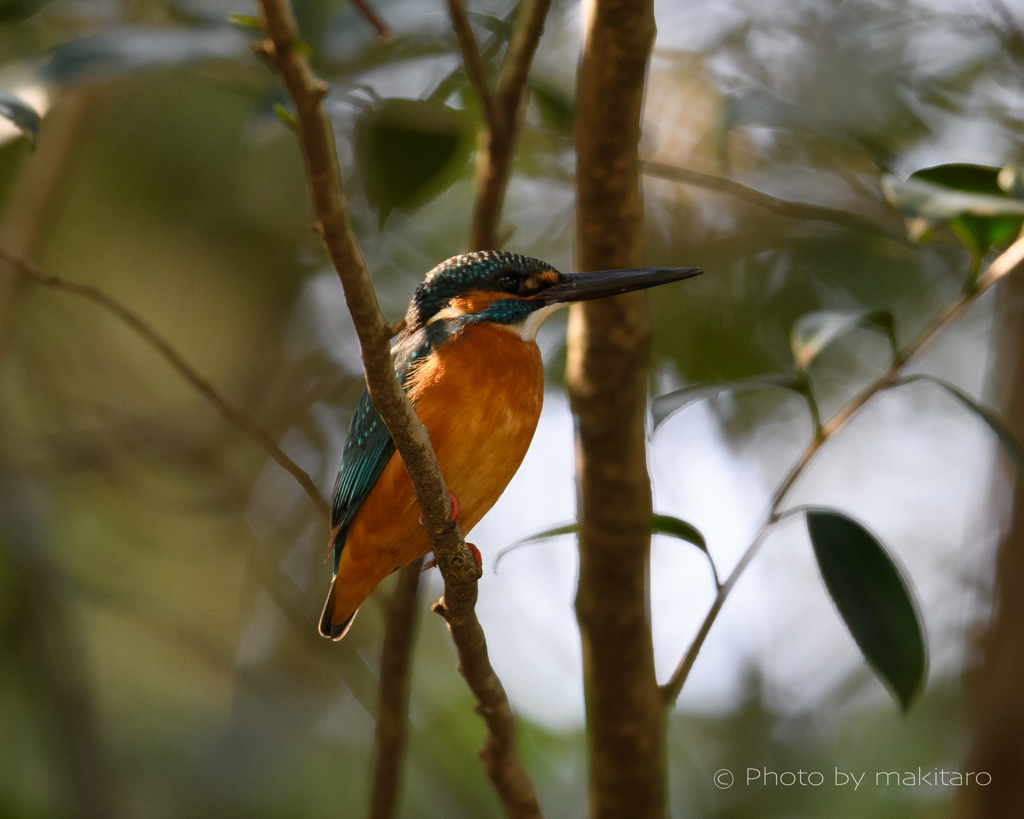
(480, 397)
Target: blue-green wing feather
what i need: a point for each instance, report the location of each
(369, 446)
(367, 450)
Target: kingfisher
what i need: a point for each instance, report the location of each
(469, 362)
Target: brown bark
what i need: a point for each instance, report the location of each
(497, 145)
(393, 708)
(609, 343)
(999, 690)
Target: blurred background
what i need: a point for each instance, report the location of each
(161, 578)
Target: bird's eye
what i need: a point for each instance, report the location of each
(508, 283)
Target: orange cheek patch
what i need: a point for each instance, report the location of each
(475, 301)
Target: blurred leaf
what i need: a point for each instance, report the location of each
(764, 109)
(872, 598)
(967, 197)
(248, 22)
(665, 406)
(660, 525)
(126, 50)
(813, 332)
(557, 109)
(16, 10)
(1006, 437)
(22, 114)
(1011, 181)
(287, 116)
(410, 151)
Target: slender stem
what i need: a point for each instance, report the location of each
(393, 708)
(473, 61)
(783, 207)
(454, 559)
(32, 272)
(1004, 264)
(497, 144)
(499, 755)
(370, 15)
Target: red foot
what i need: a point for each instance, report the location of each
(456, 508)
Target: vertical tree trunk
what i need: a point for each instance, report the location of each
(609, 346)
(999, 693)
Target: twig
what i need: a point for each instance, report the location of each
(454, 559)
(173, 357)
(374, 19)
(498, 140)
(499, 754)
(393, 708)
(783, 207)
(473, 61)
(1004, 264)
(41, 187)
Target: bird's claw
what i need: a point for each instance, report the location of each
(456, 509)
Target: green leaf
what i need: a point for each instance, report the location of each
(674, 527)
(410, 151)
(248, 22)
(557, 110)
(813, 332)
(872, 598)
(127, 50)
(286, 115)
(969, 198)
(1006, 437)
(665, 406)
(22, 114)
(660, 525)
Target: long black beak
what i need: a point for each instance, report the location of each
(601, 283)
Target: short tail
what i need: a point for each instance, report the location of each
(330, 629)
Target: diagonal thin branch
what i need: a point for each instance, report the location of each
(454, 559)
(1006, 263)
(783, 207)
(473, 61)
(499, 754)
(32, 272)
(498, 140)
(375, 20)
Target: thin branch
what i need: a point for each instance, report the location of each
(374, 19)
(473, 61)
(454, 559)
(498, 141)
(1004, 264)
(393, 708)
(499, 754)
(32, 272)
(783, 207)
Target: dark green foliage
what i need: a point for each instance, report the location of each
(409, 151)
(873, 599)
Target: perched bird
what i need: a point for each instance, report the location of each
(469, 363)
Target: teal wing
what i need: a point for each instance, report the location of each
(367, 450)
(369, 447)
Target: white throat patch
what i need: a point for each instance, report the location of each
(527, 329)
